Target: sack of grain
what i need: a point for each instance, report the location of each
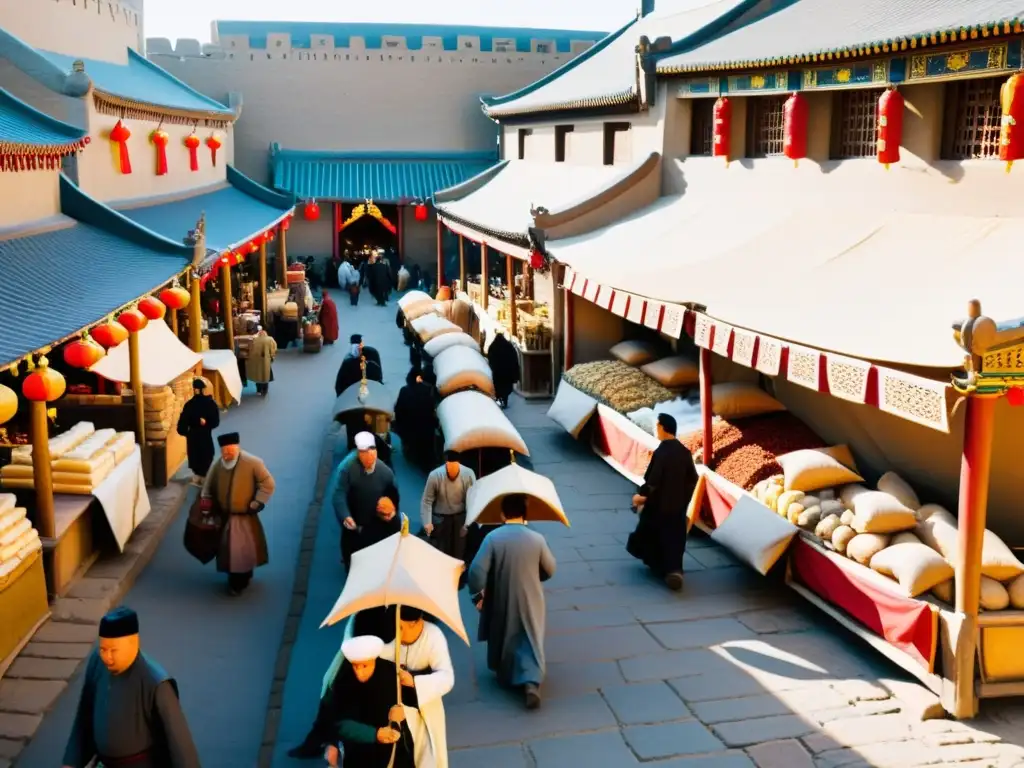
(865, 546)
(878, 512)
(916, 566)
(939, 531)
(895, 485)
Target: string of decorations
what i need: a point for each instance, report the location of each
(160, 139)
(29, 157)
(113, 106)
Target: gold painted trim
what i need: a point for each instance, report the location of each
(115, 106)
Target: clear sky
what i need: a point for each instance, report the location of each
(191, 18)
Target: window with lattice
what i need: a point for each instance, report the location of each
(972, 119)
(855, 124)
(702, 126)
(764, 126)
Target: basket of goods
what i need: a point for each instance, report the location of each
(312, 336)
(290, 311)
(618, 385)
(533, 334)
(296, 274)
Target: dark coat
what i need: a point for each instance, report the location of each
(504, 362)
(243, 542)
(660, 536)
(415, 417)
(199, 437)
(351, 372)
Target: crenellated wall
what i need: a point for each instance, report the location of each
(92, 29)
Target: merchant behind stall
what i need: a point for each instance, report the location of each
(199, 417)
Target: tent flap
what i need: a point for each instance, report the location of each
(162, 358)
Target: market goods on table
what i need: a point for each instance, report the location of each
(412, 297)
(636, 353)
(740, 399)
(673, 372)
(617, 385)
(18, 539)
(59, 444)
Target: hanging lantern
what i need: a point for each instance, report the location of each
(890, 127)
(133, 320)
(420, 212)
(192, 142)
(536, 260)
(311, 211)
(794, 128)
(214, 143)
(109, 334)
(722, 128)
(83, 353)
(160, 139)
(119, 134)
(43, 385)
(1011, 137)
(239, 258)
(8, 404)
(286, 223)
(1014, 396)
(175, 297)
(152, 308)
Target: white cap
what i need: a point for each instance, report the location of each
(364, 648)
(365, 442)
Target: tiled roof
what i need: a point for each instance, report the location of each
(605, 75)
(803, 30)
(141, 82)
(72, 275)
(385, 177)
(301, 33)
(27, 132)
(235, 212)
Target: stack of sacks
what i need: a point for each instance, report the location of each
(59, 445)
(805, 491)
(18, 539)
(81, 469)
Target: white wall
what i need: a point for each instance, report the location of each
(91, 29)
(28, 196)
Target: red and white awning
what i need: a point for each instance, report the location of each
(656, 315)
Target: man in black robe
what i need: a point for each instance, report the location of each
(361, 702)
(198, 419)
(351, 370)
(379, 277)
(660, 536)
(416, 420)
(128, 714)
(504, 361)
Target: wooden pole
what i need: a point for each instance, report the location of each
(401, 234)
(527, 281)
(510, 278)
(262, 285)
(484, 277)
(40, 426)
(335, 229)
(570, 329)
(440, 254)
(135, 379)
(226, 305)
(282, 255)
(195, 316)
(706, 406)
(462, 263)
(172, 320)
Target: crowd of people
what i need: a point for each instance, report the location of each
(371, 712)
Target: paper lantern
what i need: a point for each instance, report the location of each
(311, 212)
(43, 385)
(286, 223)
(160, 139)
(109, 334)
(192, 142)
(133, 320)
(420, 212)
(119, 134)
(175, 297)
(8, 404)
(794, 128)
(1014, 396)
(214, 143)
(536, 260)
(1011, 138)
(722, 128)
(152, 308)
(83, 353)
(890, 127)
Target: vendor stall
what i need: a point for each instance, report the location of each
(23, 602)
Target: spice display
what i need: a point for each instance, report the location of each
(617, 385)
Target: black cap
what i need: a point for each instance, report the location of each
(451, 456)
(355, 338)
(408, 613)
(667, 422)
(198, 384)
(514, 505)
(228, 438)
(120, 622)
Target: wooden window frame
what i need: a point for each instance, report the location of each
(561, 140)
(841, 145)
(758, 108)
(985, 143)
(702, 127)
(524, 134)
(611, 130)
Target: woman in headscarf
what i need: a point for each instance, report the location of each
(328, 319)
(199, 417)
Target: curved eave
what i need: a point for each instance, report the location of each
(875, 48)
(596, 102)
(519, 239)
(155, 111)
(285, 201)
(58, 139)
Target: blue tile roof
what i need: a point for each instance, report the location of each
(385, 177)
(25, 126)
(372, 34)
(806, 28)
(59, 281)
(143, 82)
(234, 213)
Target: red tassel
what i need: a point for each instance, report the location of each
(192, 142)
(160, 139)
(121, 134)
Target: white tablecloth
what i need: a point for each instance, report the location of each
(124, 498)
(223, 361)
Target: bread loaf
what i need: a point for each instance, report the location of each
(8, 501)
(15, 532)
(17, 470)
(91, 446)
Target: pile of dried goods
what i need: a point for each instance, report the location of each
(617, 385)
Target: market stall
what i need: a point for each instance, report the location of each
(23, 602)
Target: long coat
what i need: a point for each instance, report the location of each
(199, 437)
(261, 355)
(243, 544)
(329, 319)
(504, 362)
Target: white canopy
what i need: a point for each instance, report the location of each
(483, 502)
(471, 420)
(162, 357)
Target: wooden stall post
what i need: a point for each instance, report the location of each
(708, 450)
(485, 288)
(570, 328)
(197, 237)
(40, 426)
(135, 380)
(282, 254)
(401, 233)
(226, 302)
(172, 320)
(440, 254)
(262, 286)
(527, 281)
(335, 229)
(462, 264)
(558, 301)
(513, 312)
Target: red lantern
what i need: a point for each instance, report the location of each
(794, 128)
(152, 308)
(536, 260)
(43, 385)
(133, 320)
(312, 211)
(8, 404)
(254, 246)
(286, 223)
(420, 212)
(119, 134)
(175, 297)
(192, 142)
(1015, 396)
(83, 353)
(1011, 138)
(890, 127)
(160, 139)
(214, 143)
(109, 334)
(721, 131)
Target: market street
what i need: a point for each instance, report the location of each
(730, 672)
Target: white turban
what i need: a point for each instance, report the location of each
(365, 442)
(364, 648)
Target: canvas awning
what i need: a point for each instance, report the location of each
(162, 357)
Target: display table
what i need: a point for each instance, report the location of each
(221, 367)
(23, 606)
(74, 547)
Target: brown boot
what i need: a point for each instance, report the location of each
(532, 695)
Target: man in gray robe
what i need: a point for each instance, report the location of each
(129, 713)
(505, 579)
(366, 488)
